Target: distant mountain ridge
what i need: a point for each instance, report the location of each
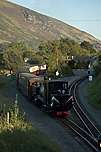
(21, 24)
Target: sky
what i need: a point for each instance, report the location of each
(82, 14)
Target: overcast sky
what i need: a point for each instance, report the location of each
(83, 14)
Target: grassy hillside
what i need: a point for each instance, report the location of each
(95, 92)
(21, 24)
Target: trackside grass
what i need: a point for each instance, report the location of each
(94, 89)
(17, 135)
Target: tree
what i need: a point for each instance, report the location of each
(56, 59)
(13, 57)
(88, 47)
(97, 67)
(1, 59)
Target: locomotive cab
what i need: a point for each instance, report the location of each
(58, 96)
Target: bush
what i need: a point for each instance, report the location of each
(97, 69)
(66, 70)
(94, 92)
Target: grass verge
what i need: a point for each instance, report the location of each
(94, 89)
(19, 136)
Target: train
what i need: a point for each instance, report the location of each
(52, 96)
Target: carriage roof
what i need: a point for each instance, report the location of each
(28, 75)
(33, 78)
(58, 80)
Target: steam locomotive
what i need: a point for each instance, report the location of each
(51, 95)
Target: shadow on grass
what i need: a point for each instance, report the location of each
(17, 140)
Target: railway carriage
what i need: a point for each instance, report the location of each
(51, 95)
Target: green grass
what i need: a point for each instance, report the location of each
(19, 136)
(94, 89)
(6, 84)
(25, 139)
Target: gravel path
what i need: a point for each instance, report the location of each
(83, 94)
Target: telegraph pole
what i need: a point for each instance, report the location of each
(57, 62)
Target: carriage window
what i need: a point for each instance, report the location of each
(42, 89)
(58, 86)
(55, 86)
(64, 85)
(36, 87)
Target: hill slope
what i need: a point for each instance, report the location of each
(19, 23)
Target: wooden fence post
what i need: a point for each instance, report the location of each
(8, 118)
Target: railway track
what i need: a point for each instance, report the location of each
(90, 126)
(88, 132)
(81, 133)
